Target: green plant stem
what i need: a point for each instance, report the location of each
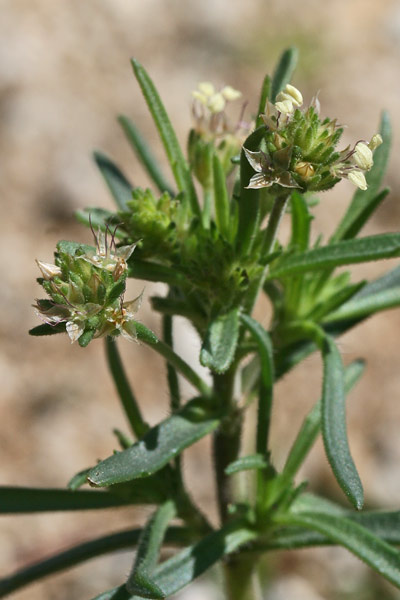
(180, 365)
(241, 577)
(275, 218)
(128, 400)
(226, 440)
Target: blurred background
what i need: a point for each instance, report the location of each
(64, 76)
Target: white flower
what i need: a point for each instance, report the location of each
(376, 141)
(216, 103)
(357, 178)
(285, 106)
(290, 94)
(362, 156)
(230, 94)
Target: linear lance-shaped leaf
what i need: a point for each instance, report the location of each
(284, 71)
(377, 553)
(374, 247)
(116, 181)
(144, 154)
(140, 581)
(333, 424)
(168, 137)
(15, 499)
(218, 350)
(173, 574)
(157, 447)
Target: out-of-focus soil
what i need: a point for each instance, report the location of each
(64, 75)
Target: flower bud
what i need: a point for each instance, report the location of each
(285, 106)
(357, 178)
(206, 88)
(48, 270)
(362, 156)
(376, 141)
(305, 170)
(292, 94)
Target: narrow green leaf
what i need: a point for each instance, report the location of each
(333, 424)
(144, 154)
(365, 306)
(100, 218)
(301, 220)
(172, 376)
(160, 445)
(246, 463)
(218, 349)
(173, 151)
(365, 202)
(265, 353)
(264, 96)
(375, 552)
(79, 479)
(175, 536)
(175, 573)
(150, 271)
(140, 581)
(374, 247)
(117, 183)
(128, 400)
(27, 500)
(146, 335)
(249, 202)
(222, 207)
(311, 426)
(71, 247)
(284, 71)
(46, 329)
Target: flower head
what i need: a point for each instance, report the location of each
(300, 148)
(86, 287)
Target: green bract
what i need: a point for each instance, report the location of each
(212, 239)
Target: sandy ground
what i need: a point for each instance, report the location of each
(64, 75)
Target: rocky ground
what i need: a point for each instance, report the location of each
(64, 75)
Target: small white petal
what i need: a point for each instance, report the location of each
(230, 94)
(74, 330)
(216, 103)
(202, 98)
(48, 270)
(206, 88)
(292, 94)
(286, 106)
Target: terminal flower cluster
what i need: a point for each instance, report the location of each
(300, 149)
(85, 286)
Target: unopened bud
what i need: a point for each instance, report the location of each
(376, 141)
(305, 170)
(362, 156)
(357, 178)
(285, 106)
(48, 270)
(292, 94)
